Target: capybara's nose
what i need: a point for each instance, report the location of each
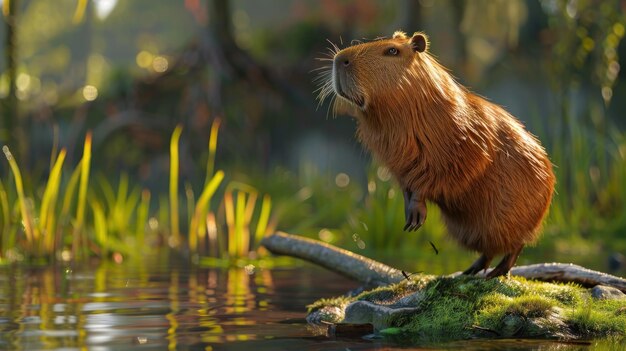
(342, 60)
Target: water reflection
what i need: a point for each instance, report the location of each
(113, 307)
(159, 305)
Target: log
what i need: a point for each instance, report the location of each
(342, 261)
(369, 271)
(568, 272)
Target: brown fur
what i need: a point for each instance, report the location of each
(491, 178)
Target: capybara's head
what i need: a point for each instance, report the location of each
(379, 68)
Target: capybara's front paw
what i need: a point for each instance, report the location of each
(415, 215)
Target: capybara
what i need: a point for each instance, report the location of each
(490, 177)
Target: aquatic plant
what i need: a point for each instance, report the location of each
(173, 189)
(241, 226)
(79, 217)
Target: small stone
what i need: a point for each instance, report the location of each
(411, 300)
(368, 312)
(328, 314)
(512, 324)
(360, 312)
(602, 292)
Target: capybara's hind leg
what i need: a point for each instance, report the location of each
(508, 261)
(481, 263)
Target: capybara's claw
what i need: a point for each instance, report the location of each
(416, 215)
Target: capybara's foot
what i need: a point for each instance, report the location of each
(508, 261)
(480, 264)
(414, 210)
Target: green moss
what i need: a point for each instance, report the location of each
(464, 307)
(599, 318)
(530, 306)
(341, 302)
(567, 294)
(382, 295)
(391, 293)
(449, 316)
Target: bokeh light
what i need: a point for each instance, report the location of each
(144, 59)
(22, 82)
(342, 180)
(160, 64)
(90, 93)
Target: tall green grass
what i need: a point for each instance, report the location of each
(79, 239)
(25, 210)
(174, 165)
(588, 210)
(229, 231)
(78, 216)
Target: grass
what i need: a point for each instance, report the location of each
(27, 218)
(76, 217)
(85, 165)
(174, 216)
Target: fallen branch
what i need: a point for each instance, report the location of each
(333, 258)
(368, 271)
(568, 272)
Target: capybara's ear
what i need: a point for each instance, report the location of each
(419, 42)
(399, 35)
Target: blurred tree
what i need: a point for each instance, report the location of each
(10, 118)
(83, 18)
(585, 36)
(414, 16)
(589, 34)
(232, 62)
(256, 100)
(490, 27)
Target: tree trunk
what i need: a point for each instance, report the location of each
(414, 17)
(10, 118)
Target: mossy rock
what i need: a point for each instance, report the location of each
(452, 308)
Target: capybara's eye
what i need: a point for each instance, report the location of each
(392, 51)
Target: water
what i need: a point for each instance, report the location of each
(154, 305)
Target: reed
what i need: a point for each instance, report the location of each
(47, 217)
(173, 189)
(27, 218)
(8, 233)
(101, 228)
(196, 227)
(80, 240)
(210, 166)
(264, 216)
(142, 218)
(99, 217)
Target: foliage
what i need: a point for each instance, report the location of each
(94, 219)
